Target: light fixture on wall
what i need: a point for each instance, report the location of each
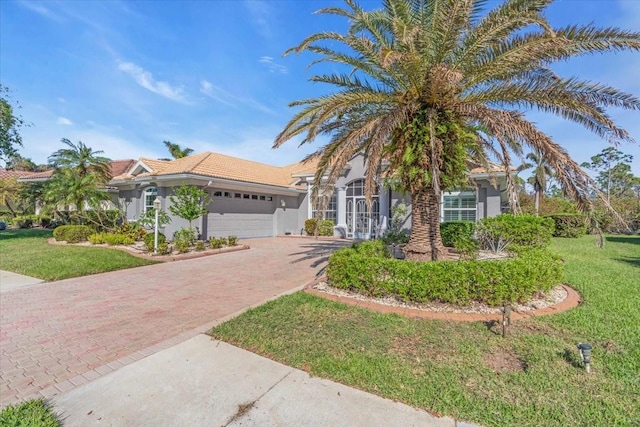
(283, 203)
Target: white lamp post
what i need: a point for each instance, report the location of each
(156, 208)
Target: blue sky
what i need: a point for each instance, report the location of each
(124, 76)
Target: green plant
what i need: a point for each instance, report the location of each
(467, 247)
(32, 413)
(96, 238)
(452, 231)
(185, 236)
(515, 231)
(371, 248)
(182, 246)
(22, 222)
(114, 239)
(148, 219)
(189, 202)
(368, 270)
(72, 233)
(164, 248)
(44, 221)
(217, 243)
(149, 241)
(325, 227)
(569, 225)
(232, 240)
(199, 246)
(132, 230)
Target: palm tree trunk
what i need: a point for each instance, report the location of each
(425, 243)
(537, 203)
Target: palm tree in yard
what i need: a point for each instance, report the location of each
(431, 85)
(79, 176)
(539, 178)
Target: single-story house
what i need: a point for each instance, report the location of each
(252, 199)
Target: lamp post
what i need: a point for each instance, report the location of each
(156, 208)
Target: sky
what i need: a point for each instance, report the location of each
(124, 76)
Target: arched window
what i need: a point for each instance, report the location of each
(149, 196)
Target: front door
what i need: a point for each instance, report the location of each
(362, 222)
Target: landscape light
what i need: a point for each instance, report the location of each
(585, 355)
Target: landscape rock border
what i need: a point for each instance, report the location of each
(159, 258)
(572, 300)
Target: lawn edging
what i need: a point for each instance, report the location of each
(571, 301)
(159, 258)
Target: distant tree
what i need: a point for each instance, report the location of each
(10, 125)
(10, 190)
(538, 180)
(189, 202)
(176, 151)
(18, 163)
(614, 172)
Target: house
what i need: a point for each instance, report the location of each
(252, 199)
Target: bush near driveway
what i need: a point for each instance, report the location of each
(32, 413)
(495, 282)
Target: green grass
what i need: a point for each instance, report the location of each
(467, 370)
(32, 413)
(27, 252)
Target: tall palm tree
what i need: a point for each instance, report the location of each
(79, 176)
(176, 151)
(432, 84)
(539, 177)
(82, 160)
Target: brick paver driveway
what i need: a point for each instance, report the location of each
(58, 335)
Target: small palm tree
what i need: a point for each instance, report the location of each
(430, 85)
(538, 180)
(176, 151)
(82, 160)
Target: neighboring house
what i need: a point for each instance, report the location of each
(252, 199)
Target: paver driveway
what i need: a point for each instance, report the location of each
(54, 336)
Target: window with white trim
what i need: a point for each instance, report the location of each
(330, 212)
(149, 196)
(459, 206)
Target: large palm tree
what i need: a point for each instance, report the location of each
(433, 84)
(539, 177)
(79, 176)
(176, 151)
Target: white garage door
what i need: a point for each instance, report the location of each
(241, 225)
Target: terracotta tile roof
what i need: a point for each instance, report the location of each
(17, 174)
(118, 167)
(215, 165)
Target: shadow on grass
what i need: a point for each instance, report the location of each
(320, 252)
(632, 240)
(25, 233)
(633, 261)
(571, 358)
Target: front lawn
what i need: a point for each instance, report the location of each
(467, 370)
(27, 252)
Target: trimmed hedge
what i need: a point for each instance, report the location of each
(526, 231)
(455, 231)
(458, 282)
(72, 233)
(569, 225)
(325, 227)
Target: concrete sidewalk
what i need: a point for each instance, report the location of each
(203, 382)
(10, 281)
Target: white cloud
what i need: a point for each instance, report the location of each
(64, 121)
(273, 66)
(224, 97)
(260, 15)
(41, 10)
(145, 79)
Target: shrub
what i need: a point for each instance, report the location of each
(569, 225)
(452, 231)
(467, 247)
(232, 240)
(182, 246)
(494, 282)
(72, 233)
(22, 222)
(185, 236)
(371, 248)
(113, 239)
(396, 237)
(132, 230)
(199, 246)
(217, 243)
(516, 231)
(149, 241)
(44, 221)
(96, 238)
(325, 227)
(163, 248)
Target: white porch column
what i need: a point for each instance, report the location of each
(342, 207)
(309, 201)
